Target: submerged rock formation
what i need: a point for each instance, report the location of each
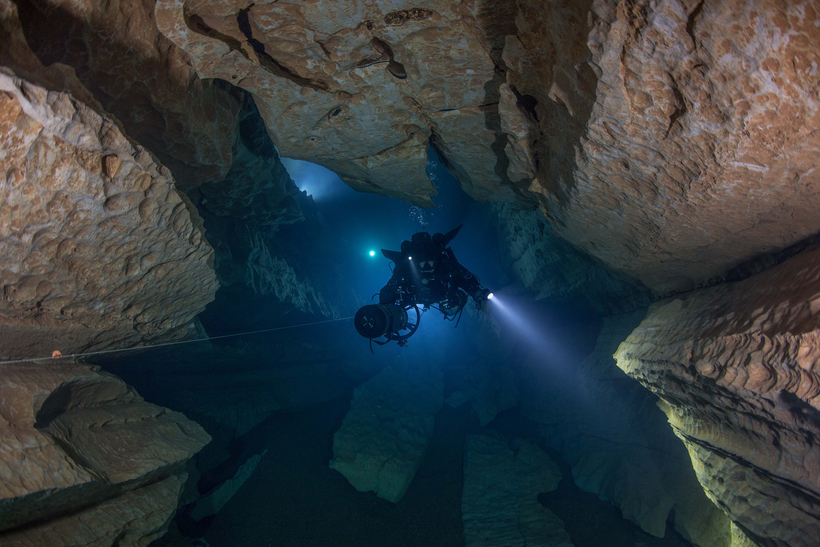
(609, 429)
(129, 70)
(358, 87)
(631, 123)
(85, 460)
(383, 438)
(500, 501)
(671, 140)
(98, 245)
(735, 367)
(554, 269)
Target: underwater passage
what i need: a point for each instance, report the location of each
(192, 199)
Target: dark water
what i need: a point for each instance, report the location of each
(293, 497)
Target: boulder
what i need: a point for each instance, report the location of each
(384, 436)
(76, 442)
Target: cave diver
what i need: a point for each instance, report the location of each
(426, 274)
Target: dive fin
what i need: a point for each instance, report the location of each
(448, 237)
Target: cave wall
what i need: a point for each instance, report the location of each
(735, 368)
(99, 247)
(669, 140)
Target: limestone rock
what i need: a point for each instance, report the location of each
(88, 440)
(735, 368)
(384, 436)
(257, 189)
(135, 75)
(609, 429)
(215, 500)
(557, 270)
(341, 85)
(135, 518)
(673, 139)
(98, 246)
(499, 505)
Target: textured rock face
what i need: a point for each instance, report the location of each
(384, 436)
(98, 246)
(556, 270)
(736, 368)
(500, 500)
(136, 518)
(89, 441)
(675, 138)
(609, 429)
(136, 75)
(358, 86)
(672, 140)
(214, 501)
(257, 189)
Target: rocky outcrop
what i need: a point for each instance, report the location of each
(384, 436)
(137, 517)
(100, 465)
(499, 504)
(609, 429)
(257, 189)
(214, 501)
(359, 87)
(98, 246)
(735, 367)
(673, 140)
(558, 271)
(136, 75)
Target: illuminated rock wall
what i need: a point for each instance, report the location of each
(735, 367)
(98, 246)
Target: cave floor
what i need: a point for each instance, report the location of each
(294, 498)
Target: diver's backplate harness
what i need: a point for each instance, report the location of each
(426, 274)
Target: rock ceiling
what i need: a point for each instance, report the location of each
(672, 142)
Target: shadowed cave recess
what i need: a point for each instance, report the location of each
(195, 199)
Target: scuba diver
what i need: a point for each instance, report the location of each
(427, 274)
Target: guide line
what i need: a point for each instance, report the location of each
(177, 343)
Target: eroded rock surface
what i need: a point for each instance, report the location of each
(675, 139)
(136, 75)
(98, 246)
(609, 429)
(137, 517)
(94, 452)
(735, 366)
(385, 434)
(558, 271)
(357, 87)
(257, 189)
(672, 140)
(499, 504)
